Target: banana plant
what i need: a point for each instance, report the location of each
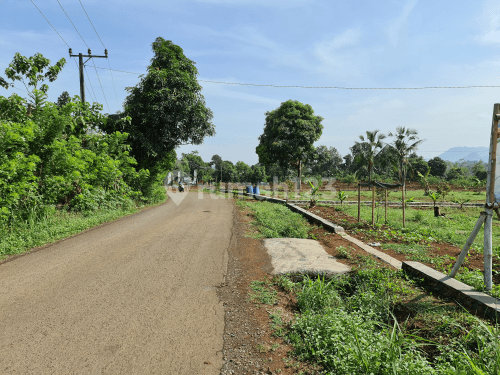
(342, 197)
(314, 191)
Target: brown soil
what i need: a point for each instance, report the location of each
(474, 261)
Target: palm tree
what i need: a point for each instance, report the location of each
(403, 146)
(369, 149)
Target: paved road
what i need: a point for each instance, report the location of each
(136, 296)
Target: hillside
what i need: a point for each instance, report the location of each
(467, 153)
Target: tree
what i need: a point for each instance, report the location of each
(258, 174)
(326, 161)
(166, 106)
(417, 165)
(30, 72)
(244, 172)
(438, 166)
(406, 141)
(289, 134)
(229, 172)
(479, 170)
(194, 162)
(368, 151)
(63, 99)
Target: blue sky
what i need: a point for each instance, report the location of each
(287, 42)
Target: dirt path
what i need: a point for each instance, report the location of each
(136, 296)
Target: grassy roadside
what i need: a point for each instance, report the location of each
(372, 321)
(55, 225)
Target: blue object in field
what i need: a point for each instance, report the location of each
(256, 190)
(249, 189)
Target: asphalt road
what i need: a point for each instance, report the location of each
(136, 296)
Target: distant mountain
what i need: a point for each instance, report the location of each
(467, 153)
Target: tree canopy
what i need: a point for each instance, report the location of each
(30, 71)
(438, 166)
(166, 106)
(289, 134)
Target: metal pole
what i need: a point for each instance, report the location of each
(468, 244)
(82, 82)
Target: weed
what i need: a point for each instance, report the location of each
(262, 292)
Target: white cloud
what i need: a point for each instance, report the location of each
(335, 57)
(395, 28)
(490, 23)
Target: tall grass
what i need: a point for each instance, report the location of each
(347, 326)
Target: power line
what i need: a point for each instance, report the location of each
(332, 87)
(92, 87)
(49, 23)
(111, 70)
(72, 23)
(92, 24)
(89, 53)
(101, 86)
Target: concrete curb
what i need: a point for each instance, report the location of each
(475, 302)
(378, 254)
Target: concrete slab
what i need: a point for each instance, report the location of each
(295, 255)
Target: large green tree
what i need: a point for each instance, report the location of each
(166, 106)
(289, 134)
(438, 166)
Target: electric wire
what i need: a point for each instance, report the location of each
(49, 23)
(101, 86)
(90, 82)
(72, 23)
(88, 48)
(111, 70)
(332, 87)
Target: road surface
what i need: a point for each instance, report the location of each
(136, 296)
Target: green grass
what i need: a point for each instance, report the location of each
(55, 225)
(348, 325)
(379, 321)
(455, 228)
(276, 220)
(418, 195)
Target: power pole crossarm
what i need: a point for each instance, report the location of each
(81, 65)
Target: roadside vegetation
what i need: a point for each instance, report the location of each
(66, 166)
(373, 320)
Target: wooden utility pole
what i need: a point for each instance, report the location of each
(373, 204)
(81, 65)
(359, 202)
